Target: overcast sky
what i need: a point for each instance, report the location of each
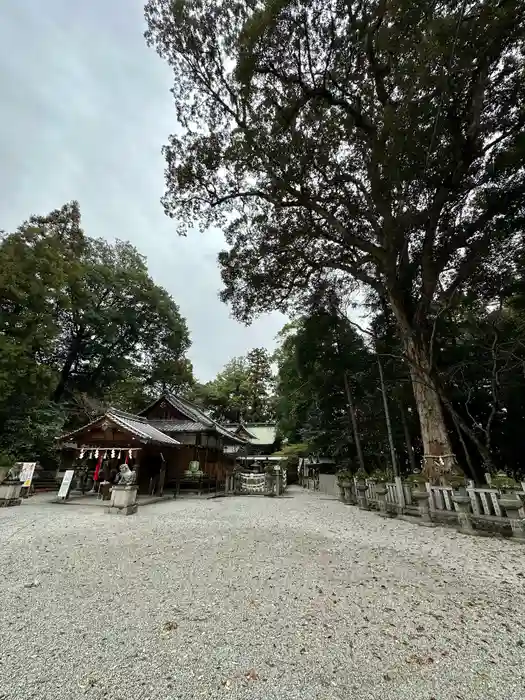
(85, 110)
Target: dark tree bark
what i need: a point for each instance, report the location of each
(72, 356)
(393, 455)
(353, 422)
(408, 438)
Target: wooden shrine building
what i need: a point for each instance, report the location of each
(159, 443)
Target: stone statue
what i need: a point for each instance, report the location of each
(14, 473)
(127, 477)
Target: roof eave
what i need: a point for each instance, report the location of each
(144, 439)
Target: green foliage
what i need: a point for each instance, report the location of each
(6, 460)
(361, 475)
(81, 325)
(300, 449)
(344, 475)
(380, 476)
(416, 480)
(377, 141)
(504, 482)
(243, 390)
(316, 352)
(456, 481)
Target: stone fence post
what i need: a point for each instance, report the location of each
(278, 480)
(381, 492)
(421, 496)
(400, 494)
(512, 504)
(462, 503)
(362, 500)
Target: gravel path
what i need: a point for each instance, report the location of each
(298, 598)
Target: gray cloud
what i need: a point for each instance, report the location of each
(85, 110)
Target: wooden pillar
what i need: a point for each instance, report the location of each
(162, 476)
(137, 468)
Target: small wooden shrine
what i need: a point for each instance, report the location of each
(160, 444)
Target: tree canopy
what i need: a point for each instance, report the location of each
(81, 324)
(242, 390)
(381, 140)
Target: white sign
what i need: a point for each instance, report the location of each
(26, 473)
(66, 483)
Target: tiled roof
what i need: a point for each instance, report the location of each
(140, 427)
(194, 414)
(176, 426)
(190, 410)
(237, 428)
(135, 425)
(262, 433)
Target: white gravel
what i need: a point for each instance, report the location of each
(297, 598)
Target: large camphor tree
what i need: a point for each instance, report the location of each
(381, 140)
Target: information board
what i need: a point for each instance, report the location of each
(66, 483)
(26, 473)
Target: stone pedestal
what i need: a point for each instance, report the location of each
(420, 496)
(345, 491)
(10, 493)
(400, 495)
(123, 500)
(512, 503)
(362, 500)
(381, 491)
(462, 501)
(348, 495)
(237, 482)
(278, 481)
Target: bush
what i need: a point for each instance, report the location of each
(504, 482)
(416, 479)
(381, 476)
(344, 475)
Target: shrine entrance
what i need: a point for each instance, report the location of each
(96, 451)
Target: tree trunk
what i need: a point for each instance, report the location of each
(462, 425)
(387, 417)
(473, 472)
(408, 439)
(438, 457)
(72, 355)
(353, 420)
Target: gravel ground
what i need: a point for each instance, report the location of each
(295, 598)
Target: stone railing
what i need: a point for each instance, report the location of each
(473, 509)
(249, 483)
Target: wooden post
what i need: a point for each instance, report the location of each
(162, 476)
(408, 439)
(137, 469)
(387, 417)
(206, 464)
(353, 420)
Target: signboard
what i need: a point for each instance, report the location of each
(27, 470)
(66, 483)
